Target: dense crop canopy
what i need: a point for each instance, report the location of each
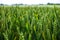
(29, 23)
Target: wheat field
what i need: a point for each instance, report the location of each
(29, 23)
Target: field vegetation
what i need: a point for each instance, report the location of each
(29, 23)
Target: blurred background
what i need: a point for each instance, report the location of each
(29, 2)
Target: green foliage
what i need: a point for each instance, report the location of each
(29, 23)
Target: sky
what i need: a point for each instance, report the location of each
(9, 2)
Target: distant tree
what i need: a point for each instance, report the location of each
(49, 3)
(1, 4)
(53, 3)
